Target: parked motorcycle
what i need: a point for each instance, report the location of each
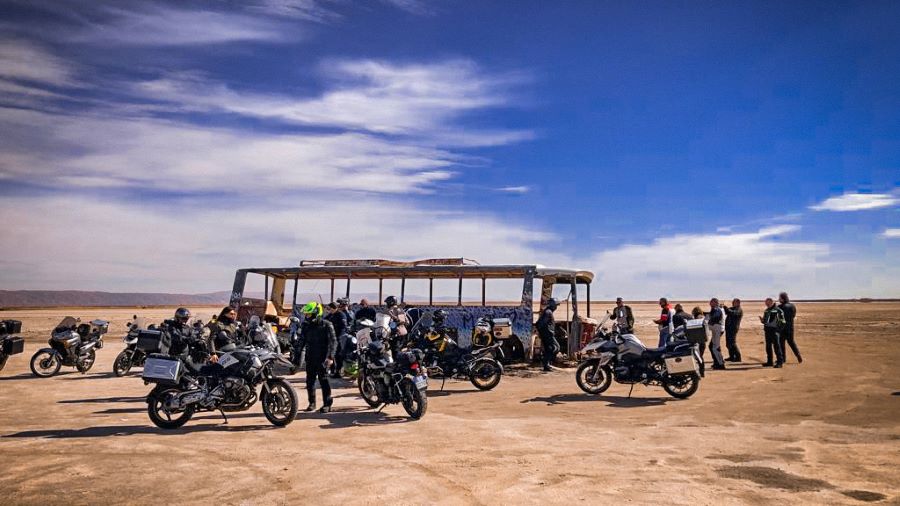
(230, 385)
(72, 344)
(384, 381)
(10, 344)
(621, 356)
(445, 358)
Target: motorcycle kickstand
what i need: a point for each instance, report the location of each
(223, 416)
(381, 408)
(443, 381)
(630, 390)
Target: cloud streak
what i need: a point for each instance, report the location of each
(857, 202)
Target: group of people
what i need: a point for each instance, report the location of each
(700, 326)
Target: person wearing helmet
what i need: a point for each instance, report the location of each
(318, 339)
(546, 327)
(178, 330)
(401, 320)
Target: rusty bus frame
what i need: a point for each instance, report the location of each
(278, 291)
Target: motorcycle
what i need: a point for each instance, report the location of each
(9, 343)
(614, 354)
(445, 358)
(384, 381)
(232, 384)
(72, 344)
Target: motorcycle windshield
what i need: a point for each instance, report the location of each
(67, 323)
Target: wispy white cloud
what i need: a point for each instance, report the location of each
(419, 7)
(25, 61)
(857, 202)
(891, 233)
(515, 189)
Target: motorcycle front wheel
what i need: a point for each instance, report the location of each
(122, 364)
(415, 402)
(85, 363)
(682, 386)
(279, 403)
(368, 391)
(162, 418)
(592, 378)
(45, 363)
(485, 374)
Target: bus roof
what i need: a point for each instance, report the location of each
(421, 271)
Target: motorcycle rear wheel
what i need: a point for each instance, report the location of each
(485, 374)
(45, 363)
(279, 403)
(683, 387)
(159, 416)
(84, 365)
(122, 364)
(368, 391)
(585, 374)
(415, 401)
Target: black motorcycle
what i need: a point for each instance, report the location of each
(232, 384)
(9, 343)
(445, 358)
(384, 381)
(621, 356)
(72, 344)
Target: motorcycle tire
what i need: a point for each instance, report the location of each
(683, 386)
(368, 391)
(415, 401)
(159, 417)
(485, 374)
(84, 364)
(122, 364)
(3, 359)
(583, 377)
(45, 363)
(279, 403)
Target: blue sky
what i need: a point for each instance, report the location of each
(686, 149)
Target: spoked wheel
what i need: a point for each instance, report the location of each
(485, 374)
(682, 386)
(415, 402)
(160, 416)
(279, 403)
(122, 364)
(45, 363)
(368, 391)
(592, 378)
(85, 363)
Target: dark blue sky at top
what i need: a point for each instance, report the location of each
(651, 117)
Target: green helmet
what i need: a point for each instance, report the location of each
(312, 309)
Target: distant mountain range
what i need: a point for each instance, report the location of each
(51, 298)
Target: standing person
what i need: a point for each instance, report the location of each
(733, 317)
(546, 327)
(623, 316)
(401, 323)
(666, 328)
(317, 337)
(339, 321)
(787, 333)
(678, 321)
(716, 319)
(697, 313)
(365, 311)
(773, 320)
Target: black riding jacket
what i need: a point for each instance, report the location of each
(317, 336)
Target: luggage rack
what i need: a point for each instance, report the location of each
(376, 262)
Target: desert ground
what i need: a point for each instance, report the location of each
(823, 432)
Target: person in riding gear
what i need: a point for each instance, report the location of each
(716, 320)
(666, 327)
(546, 327)
(365, 311)
(318, 339)
(773, 322)
(338, 320)
(786, 336)
(733, 316)
(223, 333)
(623, 316)
(401, 320)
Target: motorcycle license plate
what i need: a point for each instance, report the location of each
(421, 382)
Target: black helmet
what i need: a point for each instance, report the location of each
(182, 315)
(552, 303)
(439, 315)
(343, 301)
(390, 301)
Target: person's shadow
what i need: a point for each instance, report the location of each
(615, 401)
(341, 418)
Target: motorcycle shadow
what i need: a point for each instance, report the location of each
(23, 376)
(102, 400)
(443, 393)
(614, 401)
(100, 375)
(131, 430)
(342, 418)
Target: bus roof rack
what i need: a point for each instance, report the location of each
(375, 262)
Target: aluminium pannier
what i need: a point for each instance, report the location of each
(162, 369)
(153, 341)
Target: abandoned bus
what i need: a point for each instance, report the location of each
(465, 289)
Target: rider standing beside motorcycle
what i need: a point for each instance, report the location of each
(317, 337)
(666, 327)
(546, 327)
(623, 316)
(401, 320)
(338, 320)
